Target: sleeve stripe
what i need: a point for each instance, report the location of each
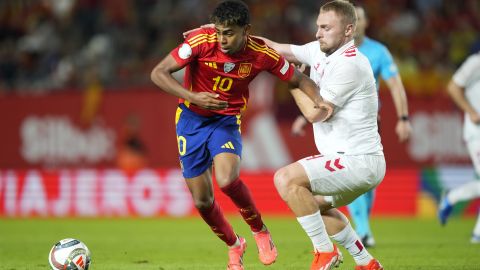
(275, 57)
(263, 47)
(200, 36)
(203, 41)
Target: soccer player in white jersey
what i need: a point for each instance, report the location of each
(350, 160)
(384, 67)
(464, 89)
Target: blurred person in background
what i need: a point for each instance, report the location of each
(350, 160)
(464, 89)
(383, 66)
(220, 63)
(132, 151)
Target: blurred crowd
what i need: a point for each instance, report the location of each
(52, 45)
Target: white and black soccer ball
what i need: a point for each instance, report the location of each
(69, 254)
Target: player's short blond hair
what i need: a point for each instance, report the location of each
(343, 8)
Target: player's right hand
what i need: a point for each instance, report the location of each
(186, 33)
(208, 101)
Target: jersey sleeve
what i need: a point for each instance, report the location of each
(464, 74)
(304, 53)
(191, 48)
(388, 68)
(341, 84)
(279, 66)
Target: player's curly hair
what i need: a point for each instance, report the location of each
(231, 12)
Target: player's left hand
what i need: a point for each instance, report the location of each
(204, 26)
(403, 130)
(301, 67)
(326, 110)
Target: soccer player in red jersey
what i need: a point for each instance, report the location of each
(220, 63)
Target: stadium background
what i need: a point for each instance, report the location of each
(84, 133)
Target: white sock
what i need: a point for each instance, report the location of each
(464, 192)
(351, 242)
(315, 229)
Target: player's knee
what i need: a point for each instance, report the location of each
(226, 178)
(282, 181)
(203, 203)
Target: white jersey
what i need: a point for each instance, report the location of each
(468, 77)
(345, 79)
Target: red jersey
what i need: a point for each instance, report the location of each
(208, 69)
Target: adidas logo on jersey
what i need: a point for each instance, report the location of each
(211, 64)
(228, 145)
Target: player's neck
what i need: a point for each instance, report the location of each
(359, 40)
(345, 41)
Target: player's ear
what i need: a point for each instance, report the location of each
(246, 29)
(349, 30)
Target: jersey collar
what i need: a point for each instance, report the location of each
(342, 49)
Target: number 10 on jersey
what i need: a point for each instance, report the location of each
(222, 83)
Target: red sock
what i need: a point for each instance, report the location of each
(213, 216)
(241, 197)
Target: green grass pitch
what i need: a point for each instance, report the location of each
(187, 243)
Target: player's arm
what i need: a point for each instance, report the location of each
(308, 98)
(403, 127)
(312, 112)
(457, 93)
(282, 48)
(162, 76)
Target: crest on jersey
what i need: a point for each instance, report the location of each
(244, 69)
(227, 67)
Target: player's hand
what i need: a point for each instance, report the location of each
(208, 101)
(204, 26)
(474, 117)
(298, 126)
(403, 130)
(301, 67)
(326, 110)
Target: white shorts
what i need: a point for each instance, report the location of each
(473, 147)
(341, 178)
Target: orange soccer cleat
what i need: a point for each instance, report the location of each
(235, 255)
(267, 252)
(372, 265)
(327, 260)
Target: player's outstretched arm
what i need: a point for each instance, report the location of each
(162, 76)
(457, 93)
(203, 26)
(403, 127)
(282, 48)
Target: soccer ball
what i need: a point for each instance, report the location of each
(69, 254)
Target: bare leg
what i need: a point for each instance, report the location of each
(293, 185)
